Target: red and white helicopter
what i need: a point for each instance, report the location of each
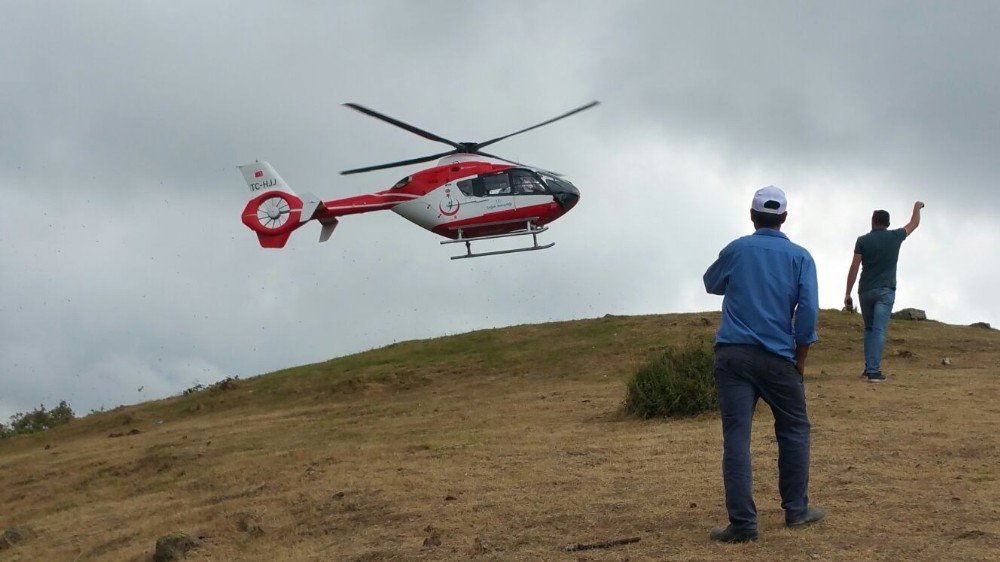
(468, 195)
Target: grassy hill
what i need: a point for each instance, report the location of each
(506, 444)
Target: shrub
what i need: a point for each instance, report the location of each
(678, 383)
(228, 383)
(198, 387)
(38, 419)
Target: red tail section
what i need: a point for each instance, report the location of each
(273, 216)
(276, 211)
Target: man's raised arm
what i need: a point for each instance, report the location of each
(914, 219)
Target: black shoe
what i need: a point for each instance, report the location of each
(811, 515)
(875, 377)
(730, 535)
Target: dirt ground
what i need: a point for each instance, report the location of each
(508, 445)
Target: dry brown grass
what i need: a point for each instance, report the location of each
(512, 437)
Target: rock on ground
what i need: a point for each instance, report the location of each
(174, 546)
(910, 314)
(12, 536)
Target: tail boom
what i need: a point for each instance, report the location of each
(380, 201)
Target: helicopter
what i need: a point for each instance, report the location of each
(467, 196)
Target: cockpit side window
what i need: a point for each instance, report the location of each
(525, 183)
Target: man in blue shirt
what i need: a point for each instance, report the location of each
(878, 252)
(769, 313)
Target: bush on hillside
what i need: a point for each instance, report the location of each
(678, 383)
(228, 383)
(38, 419)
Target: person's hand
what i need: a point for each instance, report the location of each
(918, 205)
(848, 302)
(800, 366)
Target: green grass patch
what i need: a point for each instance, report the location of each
(678, 383)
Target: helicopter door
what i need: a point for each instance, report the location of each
(490, 193)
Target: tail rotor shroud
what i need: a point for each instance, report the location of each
(273, 216)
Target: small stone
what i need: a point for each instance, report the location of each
(174, 546)
(946, 361)
(693, 505)
(433, 540)
(450, 498)
(13, 535)
(480, 546)
(247, 523)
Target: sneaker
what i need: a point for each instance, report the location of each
(811, 515)
(875, 377)
(730, 535)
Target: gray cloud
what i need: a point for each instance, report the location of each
(125, 264)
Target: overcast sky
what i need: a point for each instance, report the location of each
(124, 264)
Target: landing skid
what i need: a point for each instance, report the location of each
(530, 229)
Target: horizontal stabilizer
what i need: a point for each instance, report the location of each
(328, 226)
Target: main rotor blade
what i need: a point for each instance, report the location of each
(542, 124)
(550, 172)
(400, 163)
(401, 125)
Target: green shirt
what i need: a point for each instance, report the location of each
(879, 251)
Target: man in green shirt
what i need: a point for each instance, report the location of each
(877, 252)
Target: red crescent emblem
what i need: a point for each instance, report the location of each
(453, 205)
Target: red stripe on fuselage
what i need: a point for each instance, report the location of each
(486, 225)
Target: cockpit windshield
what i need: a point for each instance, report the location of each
(558, 185)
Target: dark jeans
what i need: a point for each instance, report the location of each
(744, 373)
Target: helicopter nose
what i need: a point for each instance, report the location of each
(567, 200)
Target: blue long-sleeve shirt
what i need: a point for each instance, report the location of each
(770, 293)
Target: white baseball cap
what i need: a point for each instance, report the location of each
(770, 199)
